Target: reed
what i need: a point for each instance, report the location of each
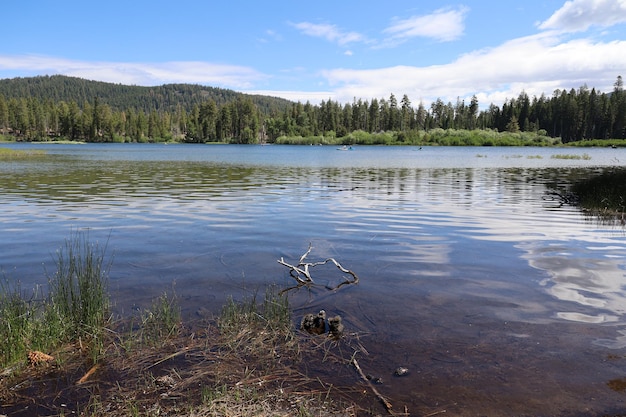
(79, 293)
(15, 326)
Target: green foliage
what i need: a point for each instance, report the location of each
(616, 143)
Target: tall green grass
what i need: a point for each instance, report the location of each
(79, 293)
(15, 323)
(75, 308)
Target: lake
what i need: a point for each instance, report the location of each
(500, 298)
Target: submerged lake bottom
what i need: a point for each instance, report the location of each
(496, 295)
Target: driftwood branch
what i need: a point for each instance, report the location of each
(302, 274)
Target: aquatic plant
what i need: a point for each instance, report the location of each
(604, 195)
(584, 156)
(15, 154)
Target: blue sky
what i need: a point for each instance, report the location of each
(312, 51)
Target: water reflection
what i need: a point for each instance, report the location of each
(413, 218)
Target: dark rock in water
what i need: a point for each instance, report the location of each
(335, 327)
(314, 324)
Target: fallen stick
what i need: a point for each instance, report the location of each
(382, 399)
(89, 373)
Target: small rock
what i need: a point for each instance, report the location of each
(401, 371)
(166, 380)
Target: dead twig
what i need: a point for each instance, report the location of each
(168, 357)
(88, 374)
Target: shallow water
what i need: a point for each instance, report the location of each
(499, 299)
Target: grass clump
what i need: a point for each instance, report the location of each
(79, 295)
(259, 330)
(162, 320)
(75, 308)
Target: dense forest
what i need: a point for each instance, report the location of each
(60, 107)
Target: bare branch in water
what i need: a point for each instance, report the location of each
(302, 274)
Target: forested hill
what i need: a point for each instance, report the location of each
(61, 107)
(122, 97)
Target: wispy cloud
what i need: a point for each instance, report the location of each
(579, 15)
(137, 73)
(329, 32)
(442, 25)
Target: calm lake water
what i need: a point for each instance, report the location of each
(497, 298)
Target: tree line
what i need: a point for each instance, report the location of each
(574, 115)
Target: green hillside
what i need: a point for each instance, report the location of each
(167, 97)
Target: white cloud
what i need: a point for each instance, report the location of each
(219, 75)
(329, 32)
(579, 15)
(535, 64)
(314, 97)
(443, 25)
